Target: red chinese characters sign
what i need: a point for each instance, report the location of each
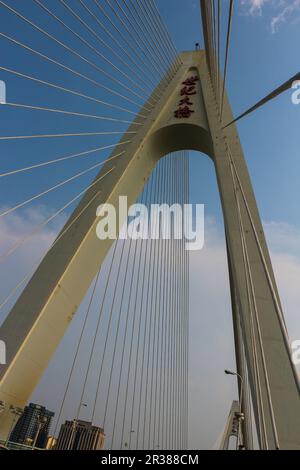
(184, 107)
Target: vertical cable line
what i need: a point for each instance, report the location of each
(181, 272)
(137, 267)
(180, 309)
(110, 48)
(167, 312)
(163, 28)
(50, 36)
(85, 321)
(187, 312)
(171, 331)
(181, 306)
(175, 306)
(155, 57)
(174, 320)
(99, 320)
(142, 284)
(122, 289)
(123, 243)
(149, 306)
(181, 301)
(155, 38)
(148, 191)
(99, 39)
(206, 11)
(159, 308)
(119, 45)
(96, 333)
(218, 52)
(180, 175)
(144, 195)
(147, 314)
(169, 296)
(153, 313)
(163, 326)
(214, 44)
(123, 353)
(164, 45)
(226, 53)
(214, 40)
(116, 13)
(133, 35)
(185, 156)
(156, 310)
(168, 329)
(187, 307)
(136, 53)
(185, 315)
(143, 198)
(123, 349)
(155, 51)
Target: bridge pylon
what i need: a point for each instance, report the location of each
(187, 117)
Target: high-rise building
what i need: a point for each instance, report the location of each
(80, 435)
(33, 426)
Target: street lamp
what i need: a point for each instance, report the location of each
(75, 422)
(240, 415)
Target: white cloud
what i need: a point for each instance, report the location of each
(280, 11)
(289, 10)
(254, 6)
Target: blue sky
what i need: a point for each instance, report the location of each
(264, 53)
